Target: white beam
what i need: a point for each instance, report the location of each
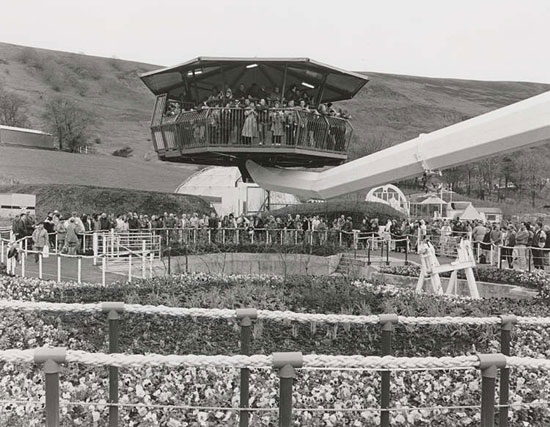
(520, 125)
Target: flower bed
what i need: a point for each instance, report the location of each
(537, 279)
(212, 387)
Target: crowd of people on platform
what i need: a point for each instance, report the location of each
(246, 116)
(514, 239)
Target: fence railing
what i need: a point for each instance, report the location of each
(285, 363)
(216, 126)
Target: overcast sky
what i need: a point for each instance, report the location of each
(470, 39)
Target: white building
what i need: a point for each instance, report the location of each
(224, 188)
(13, 204)
(26, 138)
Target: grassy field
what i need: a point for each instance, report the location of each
(24, 165)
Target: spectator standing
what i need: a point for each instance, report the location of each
(71, 239)
(522, 238)
(510, 242)
(40, 240)
(539, 241)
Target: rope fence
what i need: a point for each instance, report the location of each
(286, 364)
(277, 316)
(383, 364)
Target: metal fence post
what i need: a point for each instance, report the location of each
(40, 265)
(386, 322)
(130, 268)
(507, 323)
(407, 251)
(488, 365)
(52, 358)
(388, 252)
(499, 252)
(368, 252)
(286, 363)
(79, 269)
(23, 261)
(59, 267)
(245, 316)
(103, 269)
(113, 310)
(529, 259)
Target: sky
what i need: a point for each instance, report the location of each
(468, 39)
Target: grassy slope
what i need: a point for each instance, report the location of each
(88, 199)
(389, 110)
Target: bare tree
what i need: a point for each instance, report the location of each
(68, 123)
(12, 109)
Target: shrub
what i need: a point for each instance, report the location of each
(219, 387)
(123, 152)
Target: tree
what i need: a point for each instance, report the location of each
(68, 123)
(12, 110)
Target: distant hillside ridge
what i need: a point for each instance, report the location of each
(388, 110)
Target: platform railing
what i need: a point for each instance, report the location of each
(268, 127)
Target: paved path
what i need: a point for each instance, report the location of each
(69, 268)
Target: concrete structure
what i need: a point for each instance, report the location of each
(252, 263)
(26, 138)
(224, 188)
(517, 126)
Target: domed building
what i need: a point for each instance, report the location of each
(224, 188)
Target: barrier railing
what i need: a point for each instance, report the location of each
(285, 363)
(525, 258)
(217, 126)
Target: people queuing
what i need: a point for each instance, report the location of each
(519, 244)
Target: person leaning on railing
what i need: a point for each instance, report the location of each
(539, 241)
(522, 238)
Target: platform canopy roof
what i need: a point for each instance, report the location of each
(196, 78)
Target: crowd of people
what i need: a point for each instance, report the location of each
(65, 234)
(254, 115)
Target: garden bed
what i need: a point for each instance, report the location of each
(211, 387)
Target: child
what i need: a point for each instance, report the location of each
(13, 258)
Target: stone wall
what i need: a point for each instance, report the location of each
(253, 263)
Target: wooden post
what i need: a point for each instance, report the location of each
(40, 265)
(1, 250)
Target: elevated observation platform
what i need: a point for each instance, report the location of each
(274, 111)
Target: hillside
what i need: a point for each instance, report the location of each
(390, 109)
